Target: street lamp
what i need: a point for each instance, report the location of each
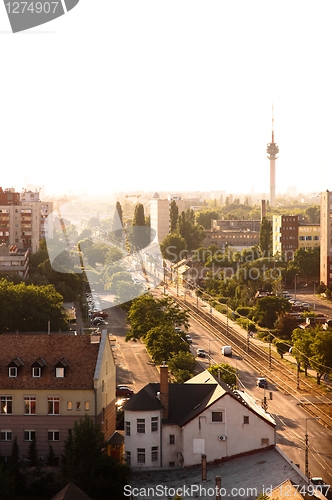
(306, 449)
(295, 287)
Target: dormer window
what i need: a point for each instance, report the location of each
(36, 371)
(37, 366)
(60, 368)
(12, 371)
(13, 367)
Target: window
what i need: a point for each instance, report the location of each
(53, 435)
(154, 454)
(127, 427)
(141, 425)
(154, 424)
(29, 405)
(12, 371)
(53, 405)
(246, 419)
(78, 406)
(5, 435)
(141, 455)
(59, 372)
(172, 439)
(217, 416)
(36, 371)
(69, 405)
(128, 458)
(265, 441)
(87, 405)
(6, 405)
(29, 435)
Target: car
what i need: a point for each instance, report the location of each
(189, 339)
(100, 314)
(306, 306)
(97, 320)
(201, 353)
(262, 382)
(123, 391)
(320, 485)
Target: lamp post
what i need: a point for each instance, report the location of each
(295, 287)
(306, 448)
(314, 295)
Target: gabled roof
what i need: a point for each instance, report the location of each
(186, 401)
(71, 492)
(77, 351)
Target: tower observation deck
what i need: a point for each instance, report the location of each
(272, 150)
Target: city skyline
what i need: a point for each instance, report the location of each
(169, 98)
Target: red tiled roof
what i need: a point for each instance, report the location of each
(80, 354)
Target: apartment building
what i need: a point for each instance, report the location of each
(13, 261)
(47, 382)
(23, 219)
(160, 216)
(290, 233)
(326, 238)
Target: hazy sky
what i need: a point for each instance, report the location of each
(168, 95)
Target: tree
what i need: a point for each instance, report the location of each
(192, 233)
(205, 217)
(33, 453)
(285, 325)
(85, 463)
(268, 308)
(117, 223)
(321, 359)
(313, 214)
(139, 234)
(226, 372)
(163, 342)
(172, 247)
(282, 347)
(302, 347)
(265, 237)
(146, 312)
(173, 215)
(182, 365)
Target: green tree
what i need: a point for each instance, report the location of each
(284, 325)
(139, 234)
(162, 342)
(205, 217)
(192, 233)
(268, 308)
(32, 454)
(226, 372)
(172, 247)
(302, 347)
(117, 223)
(321, 359)
(85, 463)
(8, 484)
(182, 366)
(146, 312)
(173, 215)
(313, 214)
(265, 237)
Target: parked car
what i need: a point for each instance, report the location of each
(262, 382)
(201, 353)
(100, 314)
(123, 391)
(189, 339)
(97, 320)
(226, 350)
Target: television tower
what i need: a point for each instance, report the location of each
(272, 149)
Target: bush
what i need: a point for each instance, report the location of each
(243, 311)
(246, 324)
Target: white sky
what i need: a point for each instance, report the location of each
(168, 95)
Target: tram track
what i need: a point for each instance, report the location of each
(262, 360)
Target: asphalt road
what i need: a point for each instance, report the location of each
(135, 369)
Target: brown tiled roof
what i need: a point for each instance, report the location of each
(71, 492)
(80, 354)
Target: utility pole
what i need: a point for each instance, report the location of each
(306, 448)
(270, 354)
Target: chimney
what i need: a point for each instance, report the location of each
(164, 388)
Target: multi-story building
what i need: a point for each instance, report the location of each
(175, 424)
(13, 261)
(160, 215)
(290, 233)
(47, 382)
(23, 219)
(238, 234)
(326, 238)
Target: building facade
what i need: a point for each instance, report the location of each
(175, 424)
(23, 219)
(13, 261)
(47, 382)
(326, 238)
